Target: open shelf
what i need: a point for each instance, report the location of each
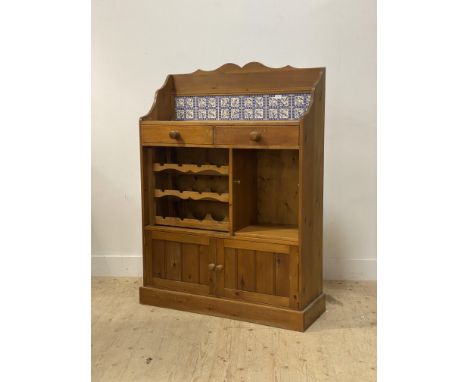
(288, 233)
(207, 169)
(266, 194)
(194, 195)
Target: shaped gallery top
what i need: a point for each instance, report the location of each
(234, 95)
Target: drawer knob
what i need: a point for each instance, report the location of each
(255, 136)
(219, 267)
(174, 134)
(211, 266)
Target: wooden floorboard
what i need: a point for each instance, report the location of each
(133, 342)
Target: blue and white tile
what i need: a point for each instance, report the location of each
(283, 113)
(225, 113)
(242, 107)
(248, 113)
(258, 114)
(212, 114)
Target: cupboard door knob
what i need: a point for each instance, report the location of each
(219, 267)
(211, 266)
(174, 134)
(255, 136)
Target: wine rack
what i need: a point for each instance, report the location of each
(192, 188)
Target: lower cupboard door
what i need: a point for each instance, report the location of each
(261, 273)
(179, 262)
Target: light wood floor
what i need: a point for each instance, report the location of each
(133, 342)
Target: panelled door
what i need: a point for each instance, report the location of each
(179, 262)
(257, 272)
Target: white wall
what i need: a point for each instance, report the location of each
(137, 43)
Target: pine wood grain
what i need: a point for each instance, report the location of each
(253, 78)
(192, 195)
(275, 233)
(267, 267)
(173, 260)
(192, 168)
(268, 135)
(282, 274)
(246, 269)
(311, 196)
(159, 260)
(200, 135)
(206, 223)
(265, 272)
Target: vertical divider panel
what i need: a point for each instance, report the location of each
(264, 270)
(204, 277)
(190, 263)
(230, 268)
(230, 179)
(244, 188)
(246, 269)
(212, 260)
(173, 261)
(159, 259)
(219, 275)
(282, 274)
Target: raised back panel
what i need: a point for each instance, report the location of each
(251, 79)
(230, 79)
(277, 187)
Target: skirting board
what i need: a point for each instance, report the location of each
(117, 266)
(334, 268)
(350, 269)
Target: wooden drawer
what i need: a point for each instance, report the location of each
(257, 135)
(195, 135)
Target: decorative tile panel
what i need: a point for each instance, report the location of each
(258, 107)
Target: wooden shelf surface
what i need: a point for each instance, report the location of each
(193, 195)
(175, 123)
(208, 169)
(207, 223)
(274, 232)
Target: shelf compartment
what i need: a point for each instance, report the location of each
(207, 223)
(192, 155)
(194, 195)
(208, 169)
(289, 233)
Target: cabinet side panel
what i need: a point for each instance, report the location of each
(163, 104)
(311, 207)
(244, 188)
(147, 258)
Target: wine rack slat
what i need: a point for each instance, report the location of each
(193, 195)
(192, 168)
(206, 223)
